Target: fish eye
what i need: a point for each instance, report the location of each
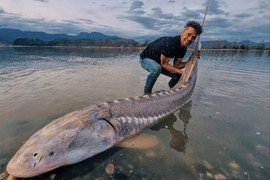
(51, 153)
(35, 154)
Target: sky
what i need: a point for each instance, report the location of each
(232, 20)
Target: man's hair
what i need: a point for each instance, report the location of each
(195, 25)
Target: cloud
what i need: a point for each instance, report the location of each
(43, 1)
(243, 15)
(263, 6)
(158, 22)
(191, 14)
(2, 11)
(40, 24)
(87, 21)
(214, 7)
(158, 13)
(138, 18)
(137, 8)
(218, 23)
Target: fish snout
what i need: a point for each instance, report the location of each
(25, 165)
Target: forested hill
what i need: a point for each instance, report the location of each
(17, 37)
(29, 38)
(113, 42)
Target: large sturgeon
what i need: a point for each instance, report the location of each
(84, 133)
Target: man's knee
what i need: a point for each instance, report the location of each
(156, 71)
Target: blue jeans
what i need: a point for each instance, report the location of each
(154, 70)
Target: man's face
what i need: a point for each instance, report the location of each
(188, 36)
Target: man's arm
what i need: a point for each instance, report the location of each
(178, 63)
(164, 61)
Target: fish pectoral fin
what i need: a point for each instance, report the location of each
(141, 141)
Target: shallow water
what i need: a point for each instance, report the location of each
(222, 132)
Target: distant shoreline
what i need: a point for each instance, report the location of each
(94, 47)
(132, 47)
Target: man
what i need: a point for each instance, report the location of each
(156, 56)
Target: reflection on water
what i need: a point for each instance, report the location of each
(179, 138)
(238, 59)
(23, 58)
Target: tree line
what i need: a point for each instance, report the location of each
(77, 42)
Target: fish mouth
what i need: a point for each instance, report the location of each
(21, 171)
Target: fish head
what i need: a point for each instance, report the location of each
(35, 157)
(66, 140)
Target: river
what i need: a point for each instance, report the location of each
(223, 132)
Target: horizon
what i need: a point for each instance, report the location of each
(139, 19)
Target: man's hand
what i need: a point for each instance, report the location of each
(164, 62)
(197, 54)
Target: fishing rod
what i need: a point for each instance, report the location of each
(198, 40)
(191, 57)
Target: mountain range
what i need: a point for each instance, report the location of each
(8, 36)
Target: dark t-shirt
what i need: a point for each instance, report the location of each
(168, 46)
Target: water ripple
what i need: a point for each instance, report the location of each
(12, 73)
